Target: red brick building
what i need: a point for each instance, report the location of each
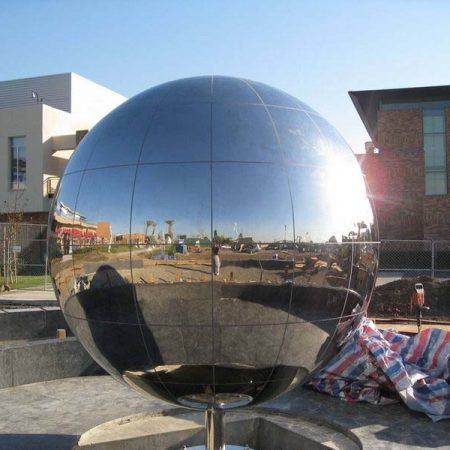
(407, 171)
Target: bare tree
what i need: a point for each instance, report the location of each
(13, 213)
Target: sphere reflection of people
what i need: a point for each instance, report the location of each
(216, 258)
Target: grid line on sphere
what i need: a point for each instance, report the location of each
(211, 232)
(274, 163)
(84, 142)
(203, 338)
(352, 257)
(61, 188)
(77, 258)
(275, 95)
(227, 325)
(107, 343)
(73, 222)
(293, 225)
(130, 225)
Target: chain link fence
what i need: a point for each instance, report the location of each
(427, 257)
(23, 256)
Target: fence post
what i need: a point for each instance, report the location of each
(432, 258)
(46, 261)
(4, 261)
(46, 272)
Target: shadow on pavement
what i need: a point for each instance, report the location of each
(37, 441)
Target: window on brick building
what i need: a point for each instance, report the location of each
(435, 151)
(18, 162)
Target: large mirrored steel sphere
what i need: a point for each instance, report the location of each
(208, 237)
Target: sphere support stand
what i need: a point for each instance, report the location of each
(215, 429)
(215, 432)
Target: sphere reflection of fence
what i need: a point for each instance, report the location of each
(202, 164)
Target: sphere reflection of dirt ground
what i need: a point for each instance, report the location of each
(195, 267)
(75, 272)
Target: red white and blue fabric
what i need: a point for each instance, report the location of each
(374, 364)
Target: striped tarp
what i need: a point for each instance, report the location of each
(378, 365)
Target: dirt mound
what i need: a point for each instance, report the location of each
(392, 299)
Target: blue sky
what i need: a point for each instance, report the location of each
(315, 50)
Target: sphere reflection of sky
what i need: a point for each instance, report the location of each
(254, 196)
(173, 192)
(225, 155)
(325, 202)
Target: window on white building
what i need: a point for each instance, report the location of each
(18, 162)
(435, 151)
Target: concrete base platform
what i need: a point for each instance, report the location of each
(256, 428)
(29, 298)
(53, 415)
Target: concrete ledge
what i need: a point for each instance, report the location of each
(54, 414)
(262, 430)
(43, 360)
(33, 303)
(31, 323)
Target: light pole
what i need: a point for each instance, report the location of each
(35, 96)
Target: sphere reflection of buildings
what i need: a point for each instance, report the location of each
(224, 160)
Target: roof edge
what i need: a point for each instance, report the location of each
(362, 115)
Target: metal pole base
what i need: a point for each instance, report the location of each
(215, 433)
(215, 429)
(227, 447)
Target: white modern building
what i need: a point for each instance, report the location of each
(42, 119)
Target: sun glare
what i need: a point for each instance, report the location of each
(348, 205)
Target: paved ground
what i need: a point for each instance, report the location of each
(409, 328)
(29, 297)
(52, 415)
(387, 277)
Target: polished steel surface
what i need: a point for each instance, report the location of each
(207, 239)
(227, 447)
(215, 429)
